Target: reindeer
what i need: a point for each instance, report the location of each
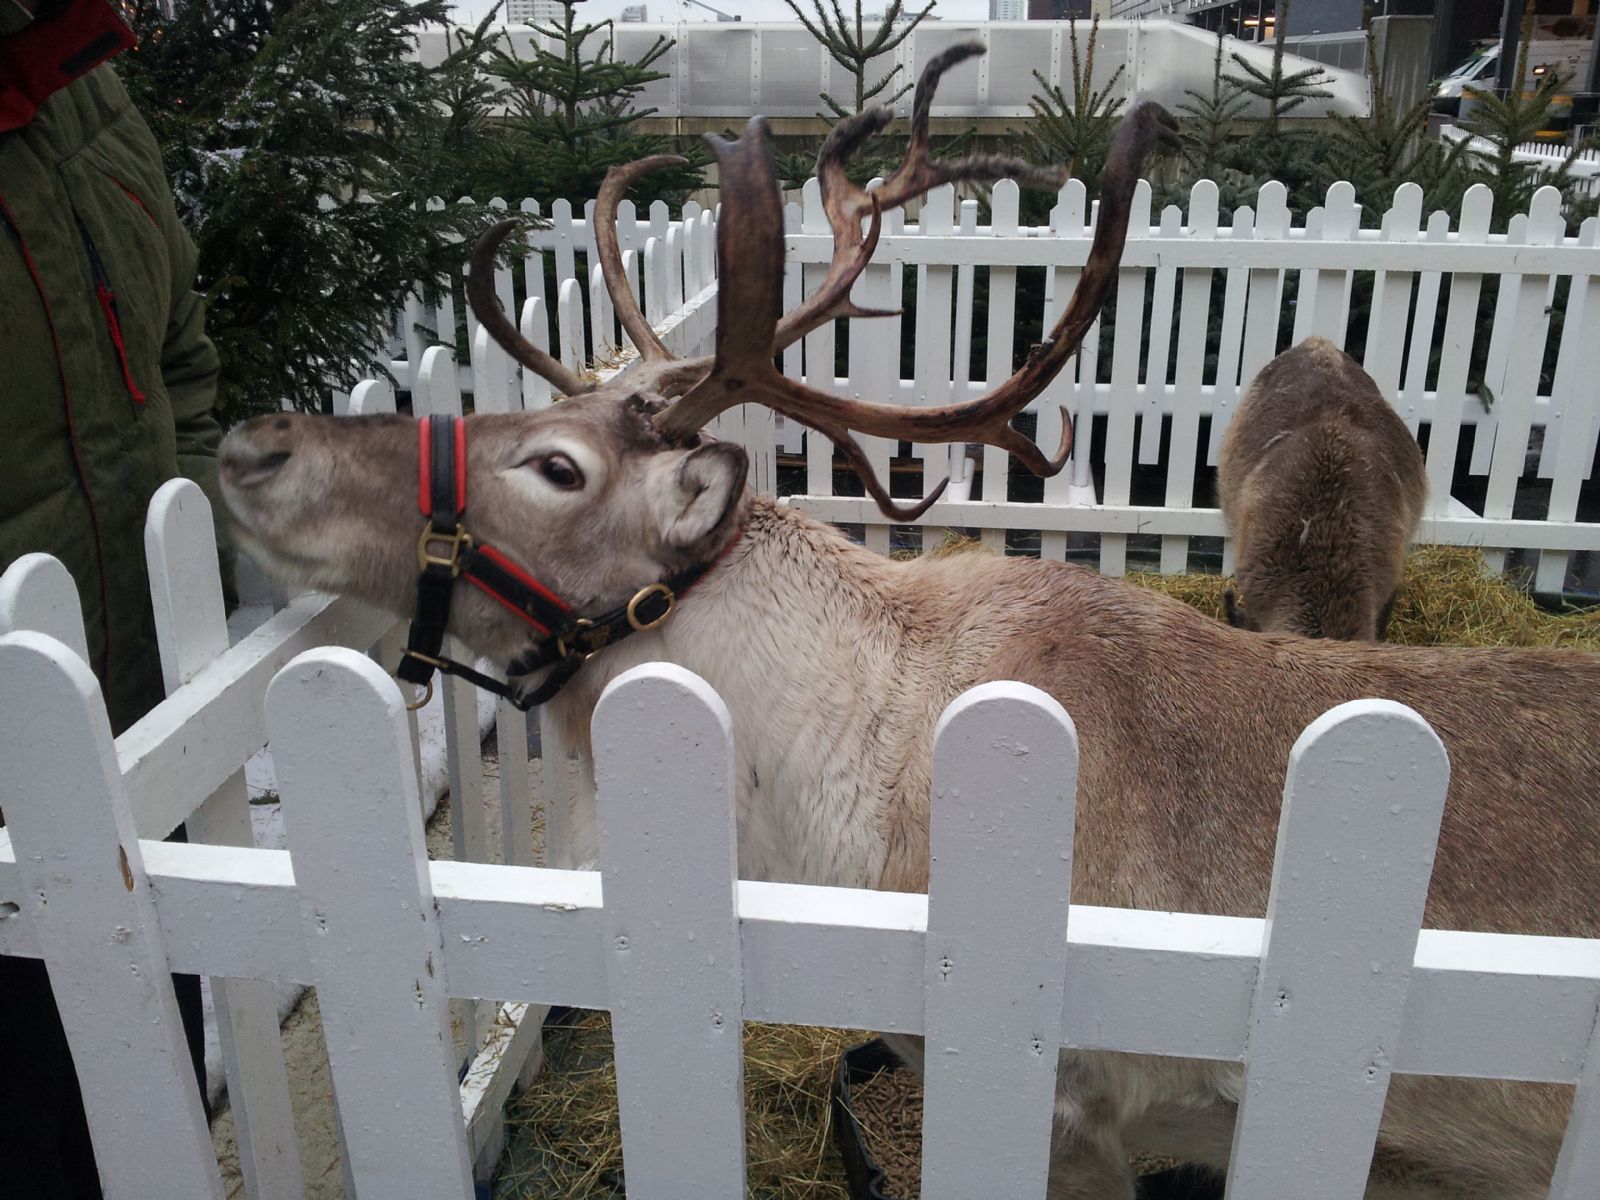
(607, 531)
(1322, 486)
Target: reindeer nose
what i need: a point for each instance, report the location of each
(254, 452)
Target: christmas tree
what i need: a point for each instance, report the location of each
(293, 133)
(572, 117)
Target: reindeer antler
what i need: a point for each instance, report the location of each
(846, 205)
(486, 307)
(750, 329)
(751, 233)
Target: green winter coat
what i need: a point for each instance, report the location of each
(102, 400)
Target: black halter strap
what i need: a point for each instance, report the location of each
(447, 552)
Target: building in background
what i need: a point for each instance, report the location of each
(1008, 10)
(529, 12)
(1059, 10)
(635, 14)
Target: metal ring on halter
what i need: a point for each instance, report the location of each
(427, 694)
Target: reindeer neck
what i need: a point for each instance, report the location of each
(793, 631)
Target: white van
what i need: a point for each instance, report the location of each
(1567, 55)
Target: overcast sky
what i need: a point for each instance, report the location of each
(750, 10)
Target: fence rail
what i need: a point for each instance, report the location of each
(675, 942)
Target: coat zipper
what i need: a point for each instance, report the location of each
(107, 297)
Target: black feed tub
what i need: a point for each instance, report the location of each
(866, 1178)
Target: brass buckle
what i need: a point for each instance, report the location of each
(455, 539)
(639, 597)
(427, 694)
(566, 651)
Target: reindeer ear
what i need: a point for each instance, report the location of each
(708, 482)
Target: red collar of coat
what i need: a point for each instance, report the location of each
(60, 44)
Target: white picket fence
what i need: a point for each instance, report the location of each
(184, 762)
(993, 964)
(1219, 288)
(1584, 168)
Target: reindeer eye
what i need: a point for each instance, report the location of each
(560, 470)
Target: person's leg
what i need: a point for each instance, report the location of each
(45, 1152)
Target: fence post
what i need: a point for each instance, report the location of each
(438, 394)
(1189, 375)
(1578, 1165)
(371, 396)
(1005, 770)
(337, 725)
(535, 324)
(37, 593)
(664, 757)
(1126, 330)
(92, 912)
(1356, 839)
(1004, 203)
(1569, 438)
(191, 630)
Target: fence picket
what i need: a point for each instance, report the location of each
(491, 375)
(1341, 218)
(37, 593)
(337, 725)
(1500, 347)
(1004, 203)
(1194, 316)
(192, 630)
(533, 261)
(1415, 387)
(961, 463)
(562, 234)
(819, 348)
(1570, 437)
(1516, 388)
(931, 367)
(1305, 301)
(873, 375)
(371, 396)
(1235, 290)
(569, 321)
(438, 395)
(1460, 332)
(601, 324)
(667, 846)
(1076, 394)
(1578, 1164)
(69, 820)
(535, 326)
(1124, 401)
(1391, 298)
(1361, 811)
(1001, 871)
(1163, 297)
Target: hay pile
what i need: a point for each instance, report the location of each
(565, 1139)
(1447, 600)
(565, 1143)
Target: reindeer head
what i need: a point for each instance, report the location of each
(586, 496)
(615, 487)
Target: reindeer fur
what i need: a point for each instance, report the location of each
(1322, 486)
(835, 664)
